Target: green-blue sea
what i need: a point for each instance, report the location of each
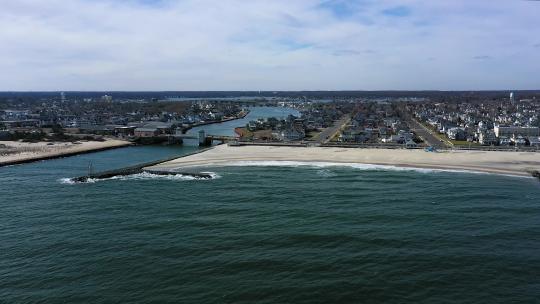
(265, 233)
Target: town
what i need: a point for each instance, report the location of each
(496, 120)
(501, 122)
(131, 119)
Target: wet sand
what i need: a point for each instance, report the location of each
(507, 163)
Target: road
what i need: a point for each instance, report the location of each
(327, 134)
(426, 134)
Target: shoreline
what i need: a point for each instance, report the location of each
(67, 150)
(501, 163)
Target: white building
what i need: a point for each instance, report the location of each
(519, 141)
(504, 141)
(456, 134)
(487, 138)
(534, 141)
(510, 131)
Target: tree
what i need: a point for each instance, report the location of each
(57, 129)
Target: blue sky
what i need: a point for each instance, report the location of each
(269, 45)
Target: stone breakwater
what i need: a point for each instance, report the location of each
(142, 168)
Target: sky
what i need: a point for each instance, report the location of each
(190, 45)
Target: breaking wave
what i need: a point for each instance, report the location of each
(363, 167)
(326, 173)
(143, 176)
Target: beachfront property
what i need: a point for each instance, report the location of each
(487, 138)
(377, 123)
(292, 134)
(534, 141)
(402, 137)
(289, 129)
(456, 133)
(486, 122)
(506, 130)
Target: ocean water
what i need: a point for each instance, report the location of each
(265, 233)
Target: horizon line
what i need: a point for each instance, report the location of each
(263, 91)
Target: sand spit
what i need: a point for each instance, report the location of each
(14, 152)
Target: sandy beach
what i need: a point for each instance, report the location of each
(508, 163)
(15, 152)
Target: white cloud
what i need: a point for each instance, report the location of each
(267, 45)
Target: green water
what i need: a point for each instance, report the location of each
(265, 234)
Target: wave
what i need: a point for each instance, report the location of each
(143, 176)
(326, 173)
(358, 166)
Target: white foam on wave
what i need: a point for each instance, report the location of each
(326, 173)
(358, 166)
(366, 167)
(67, 181)
(144, 176)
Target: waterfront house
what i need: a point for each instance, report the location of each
(252, 125)
(456, 134)
(534, 141)
(291, 134)
(410, 144)
(504, 141)
(124, 131)
(161, 127)
(518, 140)
(487, 138)
(347, 136)
(396, 139)
(508, 131)
(146, 132)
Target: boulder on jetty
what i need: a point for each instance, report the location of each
(125, 172)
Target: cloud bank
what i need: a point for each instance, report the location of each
(269, 45)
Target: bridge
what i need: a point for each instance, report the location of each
(212, 137)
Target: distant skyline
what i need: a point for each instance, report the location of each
(190, 45)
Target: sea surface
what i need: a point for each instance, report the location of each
(265, 233)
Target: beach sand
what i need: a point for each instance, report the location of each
(14, 152)
(507, 163)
